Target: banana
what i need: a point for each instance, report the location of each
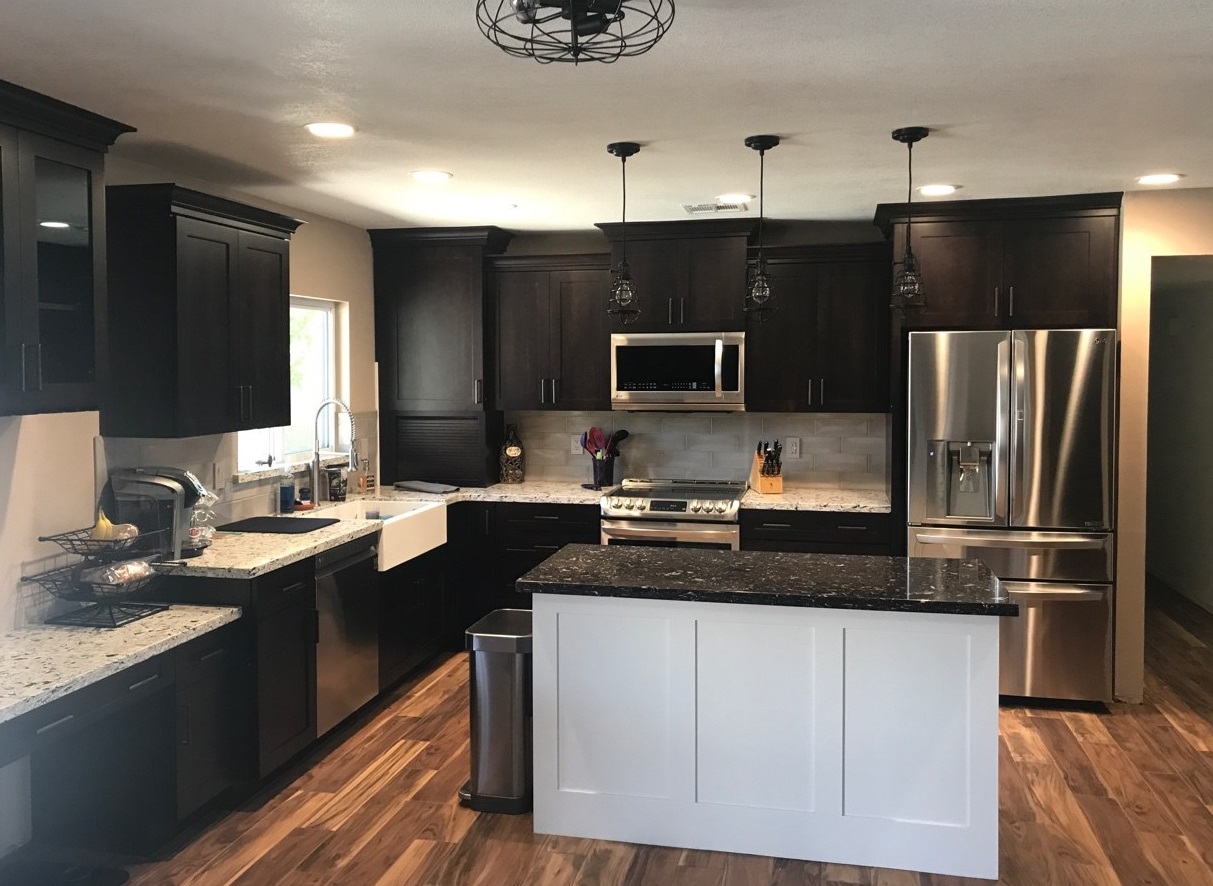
(103, 529)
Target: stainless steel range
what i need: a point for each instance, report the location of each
(673, 513)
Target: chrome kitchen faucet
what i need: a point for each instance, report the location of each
(353, 458)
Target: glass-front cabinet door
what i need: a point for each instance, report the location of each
(61, 276)
(12, 306)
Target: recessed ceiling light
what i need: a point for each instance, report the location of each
(1159, 178)
(330, 130)
(54, 224)
(937, 190)
(430, 176)
(734, 198)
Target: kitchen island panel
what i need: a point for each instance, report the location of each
(620, 703)
(775, 779)
(761, 686)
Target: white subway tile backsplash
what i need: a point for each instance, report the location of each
(686, 424)
(839, 461)
(832, 424)
(864, 445)
(713, 442)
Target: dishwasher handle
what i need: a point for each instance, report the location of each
(346, 562)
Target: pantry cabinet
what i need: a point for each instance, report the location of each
(690, 276)
(52, 253)
(553, 332)
(1024, 263)
(825, 346)
(199, 289)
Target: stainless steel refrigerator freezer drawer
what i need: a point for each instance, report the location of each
(1060, 644)
(1021, 555)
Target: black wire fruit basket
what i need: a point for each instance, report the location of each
(112, 573)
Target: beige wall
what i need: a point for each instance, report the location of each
(1177, 222)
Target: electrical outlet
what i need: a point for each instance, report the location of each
(791, 447)
(575, 444)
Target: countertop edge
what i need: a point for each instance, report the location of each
(214, 617)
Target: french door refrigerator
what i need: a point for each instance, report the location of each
(1011, 457)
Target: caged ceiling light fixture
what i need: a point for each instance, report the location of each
(759, 300)
(623, 302)
(908, 291)
(574, 30)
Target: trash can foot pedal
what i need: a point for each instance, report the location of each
(465, 793)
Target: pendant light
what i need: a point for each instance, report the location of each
(623, 303)
(759, 300)
(574, 30)
(908, 291)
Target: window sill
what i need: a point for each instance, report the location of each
(297, 468)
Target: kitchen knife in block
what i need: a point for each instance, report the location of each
(763, 484)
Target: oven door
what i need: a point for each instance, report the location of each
(672, 534)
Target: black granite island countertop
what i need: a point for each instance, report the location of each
(768, 578)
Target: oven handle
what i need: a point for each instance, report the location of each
(719, 361)
(613, 529)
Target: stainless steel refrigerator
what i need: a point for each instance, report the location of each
(1011, 458)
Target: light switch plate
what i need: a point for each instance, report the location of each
(575, 444)
(791, 447)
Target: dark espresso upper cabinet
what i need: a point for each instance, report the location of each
(690, 276)
(431, 317)
(553, 332)
(1012, 264)
(199, 330)
(825, 347)
(52, 253)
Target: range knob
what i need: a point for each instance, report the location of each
(721, 507)
(629, 503)
(695, 506)
(616, 502)
(641, 505)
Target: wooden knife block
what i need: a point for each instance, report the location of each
(763, 484)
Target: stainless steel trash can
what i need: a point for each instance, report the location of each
(499, 664)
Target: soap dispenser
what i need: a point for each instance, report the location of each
(286, 492)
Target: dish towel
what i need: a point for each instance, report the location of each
(423, 486)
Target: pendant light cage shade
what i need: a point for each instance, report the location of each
(759, 298)
(908, 289)
(623, 302)
(574, 30)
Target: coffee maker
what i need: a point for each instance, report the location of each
(159, 499)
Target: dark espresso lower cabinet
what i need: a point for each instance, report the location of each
(815, 532)
(414, 615)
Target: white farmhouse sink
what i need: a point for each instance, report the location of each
(407, 528)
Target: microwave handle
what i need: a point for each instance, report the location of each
(717, 370)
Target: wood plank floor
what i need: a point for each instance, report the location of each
(1123, 795)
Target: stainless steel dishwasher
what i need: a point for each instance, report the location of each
(347, 649)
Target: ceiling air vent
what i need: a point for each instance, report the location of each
(713, 208)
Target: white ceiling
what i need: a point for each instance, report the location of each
(1024, 98)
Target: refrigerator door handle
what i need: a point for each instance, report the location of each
(1018, 419)
(1002, 430)
(1012, 540)
(1061, 594)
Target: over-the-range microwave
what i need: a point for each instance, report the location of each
(671, 371)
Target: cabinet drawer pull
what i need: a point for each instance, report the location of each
(776, 525)
(810, 392)
(554, 391)
(296, 586)
(478, 391)
(682, 311)
(212, 654)
(546, 517)
(851, 528)
(1010, 301)
(996, 301)
(548, 547)
(543, 391)
(49, 726)
(670, 312)
(822, 399)
(143, 682)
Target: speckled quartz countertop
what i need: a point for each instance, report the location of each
(42, 663)
(553, 492)
(249, 554)
(892, 584)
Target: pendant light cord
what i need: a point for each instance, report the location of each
(762, 165)
(623, 223)
(909, 193)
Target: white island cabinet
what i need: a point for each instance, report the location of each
(670, 711)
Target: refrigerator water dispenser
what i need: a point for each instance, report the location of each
(961, 479)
